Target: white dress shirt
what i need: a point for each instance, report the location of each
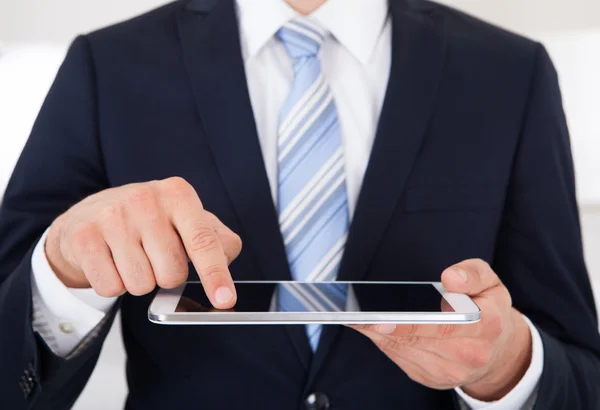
(356, 61)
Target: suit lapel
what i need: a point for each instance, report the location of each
(417, 58)
(418, 51)
(212, 55)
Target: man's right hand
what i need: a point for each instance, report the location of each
(132, 238)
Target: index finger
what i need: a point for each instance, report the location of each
(206, 252)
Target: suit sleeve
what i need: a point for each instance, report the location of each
(55, 304)
(61, 164)
(539, 251)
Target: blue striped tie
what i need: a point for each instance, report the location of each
(313, 205)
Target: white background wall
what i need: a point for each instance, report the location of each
(60, 20)
(530, 16)
(569, 28)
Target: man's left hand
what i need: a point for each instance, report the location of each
(486, 359)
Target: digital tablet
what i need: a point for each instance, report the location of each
(366, 302)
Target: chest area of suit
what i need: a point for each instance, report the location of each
(443, 184)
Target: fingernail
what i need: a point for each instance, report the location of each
(223, 295)
(461, 274)
(386, 328)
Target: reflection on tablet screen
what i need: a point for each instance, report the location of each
(365, 297)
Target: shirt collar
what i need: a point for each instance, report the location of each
(357, 30)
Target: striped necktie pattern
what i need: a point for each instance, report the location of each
(312, 198)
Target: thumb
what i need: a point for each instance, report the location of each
(471, 277)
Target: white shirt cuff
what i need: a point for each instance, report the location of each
(63, 317)
(520, 395)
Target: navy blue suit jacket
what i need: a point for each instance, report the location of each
(471, 160)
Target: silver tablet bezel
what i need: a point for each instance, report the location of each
(162, 311)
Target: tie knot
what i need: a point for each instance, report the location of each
(301, 38)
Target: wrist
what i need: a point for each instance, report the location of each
(70, 276)
(511, 365)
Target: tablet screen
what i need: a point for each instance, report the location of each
(360, 297)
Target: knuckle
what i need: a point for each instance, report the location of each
(176, 182)
(173, 270)
(96, 279)
(204, 239)
(84, 237)
(212, 272)
(112, 215)
(176, 256)
(235, 244)
(178, 187)
(142, 198)
(141, 281)
(231, 242)
(172, 278)
(83, 231)
(141, 288)
(105, 285)
(109, 289)
(484, 264)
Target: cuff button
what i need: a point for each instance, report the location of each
(66, 327)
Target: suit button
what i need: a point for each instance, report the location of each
(27, 382)
(316, 401)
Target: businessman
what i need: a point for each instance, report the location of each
(308, 140)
